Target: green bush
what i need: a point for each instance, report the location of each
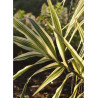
(39, 43)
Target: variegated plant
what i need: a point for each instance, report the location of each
(39, 43)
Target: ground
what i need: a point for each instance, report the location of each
(36, 81)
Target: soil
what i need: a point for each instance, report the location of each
(36, 81)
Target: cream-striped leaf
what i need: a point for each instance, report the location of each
(75, 89)
(55, 74)
(80, 95)
(29, 34)
(81, 32)
(23, 43)
(50, 66)
(59, 89)
(75, 16)
(20, 72)
(57, 26)
(27, 55)
(45, 37)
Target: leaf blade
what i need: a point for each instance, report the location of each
(27, 55)
(20, 72)
(59, 89)
(55, 74)
(50, 66)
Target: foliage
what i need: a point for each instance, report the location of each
(29, 6)
(39, 43)
(19, 14)
(60, 10)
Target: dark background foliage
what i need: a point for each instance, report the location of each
(34, 6)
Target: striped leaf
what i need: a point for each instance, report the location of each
(75, 66)
(75, 89)
(57, 26)
(45, 37)
(81, 32)
(80, 95)
(74, 53)
(23, 43)
(74, 32)
(78, 12)
(81, 51)
(55, 74)
(50, 66)
(28, 45)
(27, 55)
(79, 45)
(29, 34)
(20, 72)
(59, 89)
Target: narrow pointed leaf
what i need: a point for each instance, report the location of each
(50, 66)
(29, 34)
(79, 45)
(75, 66)
(27, 55)
(74, 32)
(20, 72)
(75, 89)
(74, 17)
(75, 55)
(45, 37)
(57, 26)
(81, 32)
(27, 44)
(80, 95)
(59, 89)
(81, 51)
(55, 74)
(23, 43)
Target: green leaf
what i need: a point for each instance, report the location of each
(75, 66)
(20, 72)
(81, 53)
(80, 95)
(79, 45)
(23, 43)
(50, 66)
(29, 34)
(75, 55)
(78, 12)
(55, 74)
(74, 32)
(57, 26)
(27, 55)
(81, 32)
(45, 37)
(75, 89)
(59, 89)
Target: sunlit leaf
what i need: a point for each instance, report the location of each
(55, 74)
(50, 66)
(75, 89)
(27, 55)
(59, 89)
(57, 26)
(20, 72)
